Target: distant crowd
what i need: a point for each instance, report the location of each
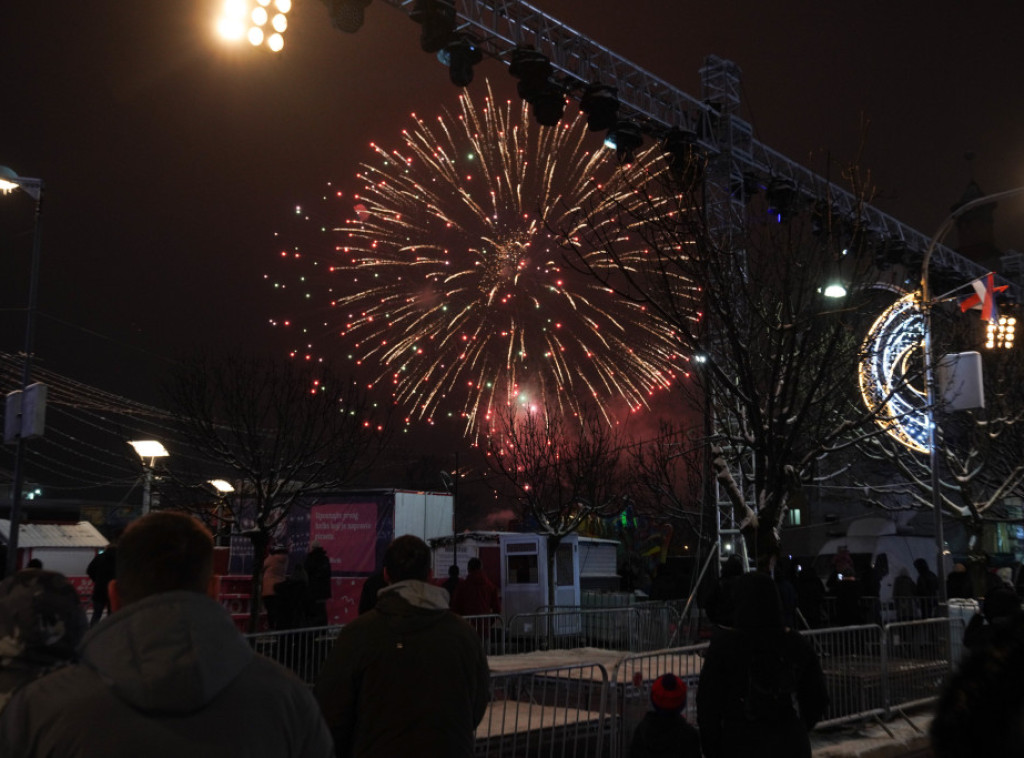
(161, 669)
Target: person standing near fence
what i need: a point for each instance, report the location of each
(167, 675)
(101, 569)
(408, 677)
(476, 595)
(318, 569)
(750, 677)
(664, 732)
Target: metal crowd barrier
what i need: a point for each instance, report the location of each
(491, 628)
(920, 655)
(853, 661)
(578, 709)
(301, 650)
(633, 628)
(556, 711)
(629, 688)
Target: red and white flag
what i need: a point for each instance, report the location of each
(984, 297)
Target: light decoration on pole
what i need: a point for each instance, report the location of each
(889, 349)
(999, 334)
(262, 22)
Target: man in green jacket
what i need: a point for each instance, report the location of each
(408, 677)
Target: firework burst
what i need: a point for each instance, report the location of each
(458, 290)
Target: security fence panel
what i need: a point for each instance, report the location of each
(853, 660)
(919, 659)
(491, 628)
(301, 650)
(629, 689)
(557, 711)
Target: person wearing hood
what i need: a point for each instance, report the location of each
(408, 677)
(167, 674)
(41, 624)
(751, 675)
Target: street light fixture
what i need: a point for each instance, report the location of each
(224, 488)
(930, 373)
(10, 181)
(148, 451)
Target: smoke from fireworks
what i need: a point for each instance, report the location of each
(456, 288)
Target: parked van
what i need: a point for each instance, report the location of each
(875, 544)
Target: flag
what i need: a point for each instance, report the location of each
(984, 297)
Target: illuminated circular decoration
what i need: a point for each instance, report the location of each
(885, 371)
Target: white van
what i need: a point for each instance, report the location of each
(875, 542)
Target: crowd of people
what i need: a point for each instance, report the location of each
(166, 673)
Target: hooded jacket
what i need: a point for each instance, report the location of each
(406, 678)
(731, 726)
(168, 675)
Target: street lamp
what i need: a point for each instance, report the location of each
(148, 451)
(10, 181)
(929, 372)
(224, 488)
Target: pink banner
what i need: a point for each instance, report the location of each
(348, 533)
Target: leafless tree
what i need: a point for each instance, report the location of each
(981, 450)
(558, 470)
(773, 360)
(286, 431)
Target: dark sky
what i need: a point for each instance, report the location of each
(171, 161)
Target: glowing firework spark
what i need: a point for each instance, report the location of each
(460, 290)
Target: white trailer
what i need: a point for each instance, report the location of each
(517, 564)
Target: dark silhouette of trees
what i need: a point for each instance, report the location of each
(286, 431)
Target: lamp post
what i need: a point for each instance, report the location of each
(223, 488)
(929, 373)
(148, 451)
(10, 181)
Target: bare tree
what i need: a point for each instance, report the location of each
(286, 431)
(981, 450)
(558, 469)
(774, 361)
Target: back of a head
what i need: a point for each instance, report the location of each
(473, 565)
(980, 711)
(163, 552)
(407, 557)
(453, 571)
(757, 602)
(41, 618)
(921, 565)
(1000, 602)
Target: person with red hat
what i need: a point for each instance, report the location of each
(664, 732)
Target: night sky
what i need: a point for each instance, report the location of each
(171, 160)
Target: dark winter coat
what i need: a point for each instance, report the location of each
(318, 569)
(664, 735)
(406, 678)
(167, 676)
(476, 596)
(736, 720)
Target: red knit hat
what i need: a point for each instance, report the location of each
(668, 693)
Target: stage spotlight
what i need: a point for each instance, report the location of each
(601, 105)
(437, 17)
(460, 57)
(625, 139)
(533, 70)
(347, 15)
(783, 199)
(683, 160)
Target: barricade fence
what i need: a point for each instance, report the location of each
(579, 709)
(556, 711)
(632, 628)
(301, 650)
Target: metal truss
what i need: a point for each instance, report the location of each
(499, 26)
